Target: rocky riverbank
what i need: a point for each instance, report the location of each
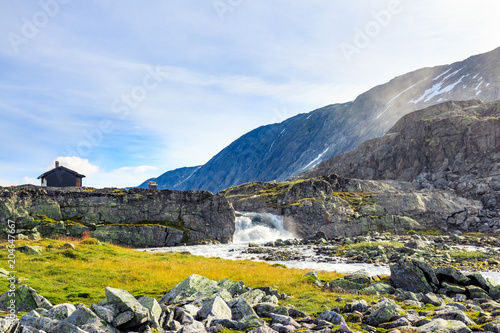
(475, 252)
(416, 298)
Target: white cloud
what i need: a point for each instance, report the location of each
(31, 181)
(80, 165)
(95, 176)
(122, 177)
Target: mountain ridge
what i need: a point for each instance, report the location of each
(282, 150)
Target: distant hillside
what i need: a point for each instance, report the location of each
(171, 179)
(279, 151)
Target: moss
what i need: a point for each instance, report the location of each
(355, 199)
(430, 232)
(44, 218)
(119, 192)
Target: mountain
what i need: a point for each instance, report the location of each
(171, 179)
(435, 168)
(279, 151)
(450, 146)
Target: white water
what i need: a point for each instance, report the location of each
(262, 228)
(259, 228)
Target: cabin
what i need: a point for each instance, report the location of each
(61, 177)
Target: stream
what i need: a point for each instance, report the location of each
(261, 228)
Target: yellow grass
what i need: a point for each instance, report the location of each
(65, 275)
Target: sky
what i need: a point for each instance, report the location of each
(122, 91)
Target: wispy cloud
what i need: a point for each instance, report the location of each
(221, 78)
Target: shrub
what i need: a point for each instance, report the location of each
(90, 241)
(86, 235)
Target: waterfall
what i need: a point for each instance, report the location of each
(259, 228)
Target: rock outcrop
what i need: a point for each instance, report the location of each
(451, 146)
(134, 217)
(344, 207)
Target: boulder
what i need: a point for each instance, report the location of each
(195, 327)
(235, 288)
(65, 327)
(384, 311)
(33, 319)
(444, 326)
(7, 325)
(454, 315)
(244, 314)
(241, 309)
(264, 309)
(284, 320)
(452, 274)
(431, 298)
(61, 311)
(413, 275)
(453, 288)
(361, 277)
(105, 312)
(153, 307)
(29, 249)
(26, 300)
(195, 287)
(215, 308)
(477, 292)
(332, 317)
(486, 283)
(254, 296)
(493, 326)
(85, 319)
(345, 285)
(263, 329)
(378, 288)
(356, 305)
(126, 305)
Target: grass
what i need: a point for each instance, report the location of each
(370, 245)
(430, 232)
(81, 275)
(468, 255)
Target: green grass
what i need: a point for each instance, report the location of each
(430, 232)
(370, 245)
(468, 255)
(81, 275)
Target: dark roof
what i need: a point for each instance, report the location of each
(61, 168)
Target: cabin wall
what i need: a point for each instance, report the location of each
(61, 178)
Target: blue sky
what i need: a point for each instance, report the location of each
(125, 90)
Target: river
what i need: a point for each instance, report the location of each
(262, 228)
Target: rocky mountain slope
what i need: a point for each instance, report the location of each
(279, 151)
(345, 207)
(453, 145)
(172, 179)
(135, 217)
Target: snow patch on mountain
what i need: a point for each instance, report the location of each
(389, 104)
(316, 161)
(436, 89)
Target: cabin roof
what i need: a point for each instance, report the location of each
(61, 168)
